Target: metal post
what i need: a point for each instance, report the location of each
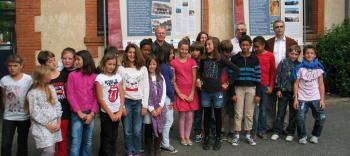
(347, 4)
(304, 22)
(104, 25)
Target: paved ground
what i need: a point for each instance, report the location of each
(335, 139)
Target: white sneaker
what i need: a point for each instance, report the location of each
(275, 137)
(289, 138)
(250, 140)
(303, 140)
(314, 139)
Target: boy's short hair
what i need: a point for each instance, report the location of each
(226, 46)
(68, 50)
(197, 46)
(295, 48)
(14, 59)
(146, 41)
(44, 55)
(306, 47)
(245, 38)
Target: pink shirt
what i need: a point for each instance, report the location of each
(308, 84)
(81, 92)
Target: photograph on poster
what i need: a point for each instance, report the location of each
(292, 10)
(191, 12)
(185, 4)
(291, 2)
(178, 10)
(165, 22)
(274, 8)
(291, 19)
(161, 9)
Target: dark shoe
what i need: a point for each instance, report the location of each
(217, 144)
(262, 136)
(206, 143)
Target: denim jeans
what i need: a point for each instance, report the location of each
(132, 124)
(81, 135)
(169, 119)
(108, 135)
(260, 124)
(283, 102)
(318, 114)
(8, 132)
(215, 99)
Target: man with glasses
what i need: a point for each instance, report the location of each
(279, 45)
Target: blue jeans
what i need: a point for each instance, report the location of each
(81, 134)
(260, 124)
(318, 114)
(215, 99)
(132, 124)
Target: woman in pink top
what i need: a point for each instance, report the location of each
(82, 99)
(186, 100)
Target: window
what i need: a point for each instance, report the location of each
(100, 17)
(7, 32)
(314, 19)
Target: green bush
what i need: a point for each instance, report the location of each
(334, 52)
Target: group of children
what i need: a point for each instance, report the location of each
(142, 87)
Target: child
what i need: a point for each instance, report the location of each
(14, 88)
(226, 48)
(155, 119)
(164, 59)
(245, 90)
(136, 85)
(284, 86)
(268, 70)
(186, 100)
(309, 92)
(82, 99)
(110, 95)
(210, 70)
(58, 81)
(196, 51)
(146, 47)
(67, 57)
(45, 112)
(114, 50)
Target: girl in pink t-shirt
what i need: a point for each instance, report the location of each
(309, 92)
(186, 100)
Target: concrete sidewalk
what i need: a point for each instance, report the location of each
(335, 139)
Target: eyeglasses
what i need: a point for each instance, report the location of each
(279, 26)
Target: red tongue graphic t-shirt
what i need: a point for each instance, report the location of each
(110, 89)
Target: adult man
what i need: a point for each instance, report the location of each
(279, 45)
(160, 42)
(239, 31)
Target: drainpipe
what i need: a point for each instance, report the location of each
(104, 25)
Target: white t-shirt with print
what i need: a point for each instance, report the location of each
(110, 90)
(14, 94)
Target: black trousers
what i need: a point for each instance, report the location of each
(108, 135)
(8, 131)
